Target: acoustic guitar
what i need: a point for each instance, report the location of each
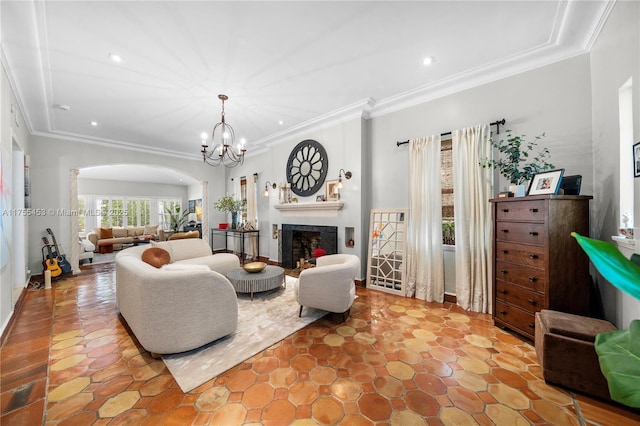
(51, 263)
(62, 260)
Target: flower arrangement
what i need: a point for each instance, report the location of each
(230, 204)
(518, 163)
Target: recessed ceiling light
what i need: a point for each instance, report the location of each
(428, 61)
(281, 122)
(94, 123)
(115, 57)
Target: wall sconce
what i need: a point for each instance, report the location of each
(347, 175)
(266, 188)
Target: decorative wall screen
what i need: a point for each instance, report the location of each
(387, 251)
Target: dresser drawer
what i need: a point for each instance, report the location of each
(520, 232)
(521, 210)
(515, 317)
(527, 255)
(523, 276)
(521, 297)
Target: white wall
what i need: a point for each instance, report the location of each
(52, 160)
(554, 99)
(615, 57)
(132, 189)
(343, 143)
(14, 141)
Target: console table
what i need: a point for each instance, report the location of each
(241, 235)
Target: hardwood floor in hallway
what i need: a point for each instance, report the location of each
(69, 359)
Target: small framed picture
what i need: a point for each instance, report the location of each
(319, 198)
(636, 159)
(546, 182)
(331, 190)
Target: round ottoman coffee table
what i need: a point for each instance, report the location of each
(246, 282)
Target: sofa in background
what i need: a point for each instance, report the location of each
(179, 308)
(107, 240)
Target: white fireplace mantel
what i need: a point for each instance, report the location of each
(324, 208)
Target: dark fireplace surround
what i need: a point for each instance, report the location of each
(299, 241)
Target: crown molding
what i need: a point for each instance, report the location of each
(111, 143)
(359, 109)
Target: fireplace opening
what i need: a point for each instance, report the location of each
(305, 243)
(300, 241)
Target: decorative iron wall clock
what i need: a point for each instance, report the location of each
(307, 167)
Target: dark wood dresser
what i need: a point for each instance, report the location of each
(537, 263)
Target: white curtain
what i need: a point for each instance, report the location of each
(425, 258)
(472, 191)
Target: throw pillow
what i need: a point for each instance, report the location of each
(106, 233)
(150, 229)
(156, 257)
(119, 232)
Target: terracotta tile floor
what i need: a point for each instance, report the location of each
(69, 360)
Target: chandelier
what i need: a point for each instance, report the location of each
(225, 152)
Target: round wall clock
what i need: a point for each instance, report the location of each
(307, 167)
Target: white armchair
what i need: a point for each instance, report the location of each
(330, 285)
(86, 251)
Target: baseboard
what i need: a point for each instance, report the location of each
(14, 314)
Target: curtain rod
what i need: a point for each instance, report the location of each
(497, 123)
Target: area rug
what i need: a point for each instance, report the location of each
(268, 319)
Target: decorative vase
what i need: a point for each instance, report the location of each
(518, 190)
(234, 220)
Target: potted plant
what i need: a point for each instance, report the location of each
(230, 204)
(176, 217)
(518, 162)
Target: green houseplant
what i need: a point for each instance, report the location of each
(230, 204)
(518, 160)
(177, 218)
(618, 351)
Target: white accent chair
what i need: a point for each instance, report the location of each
(86, 251)
(330, 285)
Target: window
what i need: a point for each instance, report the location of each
(446, 172)
(163, 216)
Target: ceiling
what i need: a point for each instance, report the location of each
(286, 66)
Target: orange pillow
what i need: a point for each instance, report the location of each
(106, 233)
(156, 256)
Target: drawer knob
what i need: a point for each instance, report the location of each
(503, 271)
(533, 256)
(505, 210)
(504, 251)
(534, 233)
(532, 302)
(502, 291)
(533, 279)
(503, 312)
(505, 230)
(533, 210)
(531, 325)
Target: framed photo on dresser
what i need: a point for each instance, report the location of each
(546, 182)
